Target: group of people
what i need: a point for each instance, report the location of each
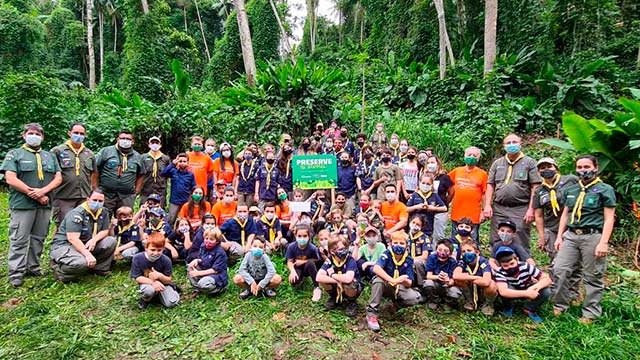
(385, 224)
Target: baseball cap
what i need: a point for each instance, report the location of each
(504, 250)
(154, 138)
(371, 229)
(154, 197)
(508, 223)
(255, 209)
(157, 212)
(547, 160)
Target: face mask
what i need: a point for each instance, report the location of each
(152, 258)
(208, 226)
(398, 249)
(257, 252)
(305, 145)
(364, 206)
(302, 242)
(505, 237)
(386, 159)
(425, 188)
(287, 151)
(209, 244)
(209, 149)
(282, 196)
(368, 155)
(464, 232)
(197, 148)
(248, 157)
(390, 196)
(154, 147)
(548, 173)
(443, 255)
(403, 148)
(432, 167)
(317, 137)
(411, 156)
(470, 160)
(77, 138)
(95, 205)
(228, 199)
(329, 145)
(124, 143)
(269, 216)
(394, 142)
(414, 228)
(243, 217)
(345, 163)
(469, 257)
(371, 240)
(586, 175)
(271, 161)
(378, 154)
(512, 148)
(33, 140)
(511, 272)
(226, 153)
(123, 222)
(196, 197)
(360, 143)
(342, 253)
(183, 229)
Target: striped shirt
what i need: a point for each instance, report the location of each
(521, 280)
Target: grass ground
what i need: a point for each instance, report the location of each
(99, 319)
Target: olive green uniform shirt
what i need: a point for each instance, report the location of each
(80, 221)
(518, 191)
(542, 200)
(154, 184)
(74, 186)
(598, 197)
(115, 180)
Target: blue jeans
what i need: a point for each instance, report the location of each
(474, 235)
(533, 305)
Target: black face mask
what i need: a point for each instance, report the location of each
(271, 161)
(305, 145)
(548, 173)
(386, 159)
(360, 143)
(411, 156)
(345, 162)
(317, 137)
(378, 154)
(368, 155)
(287, 151)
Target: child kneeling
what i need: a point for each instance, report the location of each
(439, 285)
(152, 271)
(208, 273)
(339, 276)
(473, 276)
(257, 273)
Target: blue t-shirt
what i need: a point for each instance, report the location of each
(264, 192)
(310, 252)
(387, 264)
(126, 235)
(483, 267)
(182, 181)
(346, 180)
(232, 229)
(434, 200)
(435, 266)
(215, 259)
(349, 265)
(141, 266)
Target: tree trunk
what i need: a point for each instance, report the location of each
(204, 40)
(115, 33)
(361, 25)
(184, 16)
(462, 18)
(285, 38)
(311, 18)
(445, 44)
(92, 54)
(145, 6)
(245, 42)
(490, 24)
(101, 32)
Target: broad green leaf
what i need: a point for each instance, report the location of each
(634, 144)
(558, 143)
(578, 130)
(631, 105)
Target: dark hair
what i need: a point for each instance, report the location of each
(390, 184)
(361, 136)
(269, 204)
(229, 188)
(77, 124)
(96, 191)
(506, 257)
(387, 151)
(342, 194)
(231, 159)
(259, 238)
(191, 204)
(419, 217)
(126, 132)
(182, 155)
(465, 221)
(445, 242)
(594, 160)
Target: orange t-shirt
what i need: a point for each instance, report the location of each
(201, 165)
(393, 213)
(224, 212)
(184, 212)
(283, 212)
(469, 187)
(228, 173)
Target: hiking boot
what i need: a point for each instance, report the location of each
(432, 306)
(330, 304)
(269, 293)
(16, 282)
(372, 323)
(487, 309)
(317, 294)
(142, 304)
(351, 309)
(585, 321)
(245, 294)
(533, 315)
(469, 306)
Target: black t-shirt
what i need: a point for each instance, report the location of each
(141, 266)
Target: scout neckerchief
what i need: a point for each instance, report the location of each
(338, 228)
(424, 197)
(124, 158)
(288, 169)
(266, 167)
(474, 286)
(245, 177)
(154, 172)
(95, 216)
(242, 232)
(38, 160)
(396, 268)
(510, 168)
(316, 213)
(335, 262)
(122, 229)
(158, 227)
(395, 149)
(577, 209)
(77, 153)
(553, 197)
(368, 170)
(414, 238)
(272, 229)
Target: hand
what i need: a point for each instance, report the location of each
(91, 261)
(558, 243)
(194, 263)
(175, 161)
(482, 219)
(602, 249)
(154, 274)
(293, 277)
(487, 212)
(541, 242)
(330, 272)
(144, 207)
(194, 273)
(35, 193)
(174, 253)
(91, 244)
(386, 234)
(114, 221)
(256, 198)
(255, 288)
(43, 200)
(366, 192)
(532, 293)
(299, 262)
(529, 216)
(157, 286)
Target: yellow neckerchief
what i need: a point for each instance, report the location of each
(122, 229)
(395, 149)
(338, 265)
(38, 160)
(368, 171)
(424, 197)
(401, 158)
(271, 225)
(77, 153)
(413, 239)
(266, 166)
(338, 227)
(316, 213)
(510, 168)
(157, 228)
(250, 170)
(124, 158)
(396, 269)
(553, 197)
(577, 209)
(95, 216)
(242, 232)
(474, 286)
(154, 172)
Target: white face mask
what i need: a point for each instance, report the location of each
(33, 140)
(154, 147)
(432, 167)
(425, 188)
(390, 196)
(210, 149)
(404, 148)
(226, 153)
(269, 216)
(228, 199)
(124, 143)
(414, 228)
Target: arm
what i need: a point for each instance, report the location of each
(187, 240)
(562, 227)
(379, 271)
(483, 281)
(95, 177)
(459, 275)
(609, 218)
(74, 239)
(545, 281)
(399, 225)
(271, 271)
(504, 291)
(529, 216)
(256, 192)
(345, 278)
(488, 200)
(244, 271)
(323, 277)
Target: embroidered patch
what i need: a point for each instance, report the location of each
(77, 219)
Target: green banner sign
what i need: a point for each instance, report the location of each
(314, 172)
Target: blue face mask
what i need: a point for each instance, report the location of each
(302, 242)
(257, 252)
(398, 249)
(95, 205)
(469, 257)
(77, 138)
(512, 148)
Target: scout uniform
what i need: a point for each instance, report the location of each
(77, 166)
(118, 175)
(512, 182)
(247, 182)
(585, 203)
(153, 182)
(68, 263)
(419, 244)
(29, 223)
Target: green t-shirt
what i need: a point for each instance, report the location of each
(115, 180)
(80, 221)
(74, 186)
(598, 197)
(365, 253)
(24, 164)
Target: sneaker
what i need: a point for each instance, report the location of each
(351, 309)
(16, 282)
(446, 307)
(469, 306)
(507, 312)
(142, 304)
(317, 294)
(372, 323)
(487, 309)
(432, 306)
(102, 273)
(533, 316)
(585, 321)
(245, 294)
(557, 312)
(330, 304)
(269, 293)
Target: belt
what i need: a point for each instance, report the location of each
(585, 231)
